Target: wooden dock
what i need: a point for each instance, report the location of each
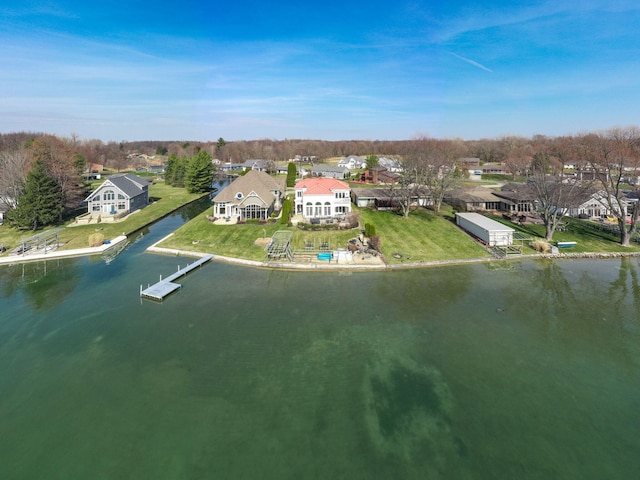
(164, 287)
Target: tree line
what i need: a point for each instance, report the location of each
(430, 166)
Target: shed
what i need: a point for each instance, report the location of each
(492, 233)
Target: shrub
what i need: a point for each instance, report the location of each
(96, 239)
(540, 246)
(369, 230)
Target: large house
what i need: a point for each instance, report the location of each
(118, 195)
(252, 196)
(352, 161)
(322, 198)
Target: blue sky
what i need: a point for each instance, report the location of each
(244, 69)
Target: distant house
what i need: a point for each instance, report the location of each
(330, 171)
(379, 175)
(352, 161)
(320, 197)
(388, 198)
(473, 199)
(391, 164)
(260, 165)
(157, 169)
(3, 209)
(252, 196)
(118, 195)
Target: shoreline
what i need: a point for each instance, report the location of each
(52, 254)
(303, 267)
(354, 267)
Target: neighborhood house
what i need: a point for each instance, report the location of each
(119, 195)
(252, 196)
(322, 198)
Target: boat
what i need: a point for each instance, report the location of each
(566, 244)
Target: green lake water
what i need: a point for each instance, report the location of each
(523, 370)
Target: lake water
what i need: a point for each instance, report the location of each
(521, 370)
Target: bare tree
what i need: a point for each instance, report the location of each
(14, 165)
(442, 173)
(614, 156)
(516, 154)
(554, 191)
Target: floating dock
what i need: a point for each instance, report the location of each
(163, 288)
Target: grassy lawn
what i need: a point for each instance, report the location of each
(238, 241)
(589, 237)
(165, 200)
(423, 237)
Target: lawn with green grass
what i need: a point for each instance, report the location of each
(422, 237)
(164, 200)
(590, 237)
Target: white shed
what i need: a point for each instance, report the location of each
(492, 233)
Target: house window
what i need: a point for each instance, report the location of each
(95, 207)
(222, 209)
(121, 197)
(341, 194)
(96, 198)
(309, 209)
(327, 209)
(109, 195)
(341, 209)
(122, 206)
(318, 210)
(299, 193)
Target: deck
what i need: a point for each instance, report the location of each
(164, 287)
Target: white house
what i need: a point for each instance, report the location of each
(322, 197)
(352, 161)
(597, 205)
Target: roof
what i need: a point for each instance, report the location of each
(329, 168)
(484, 222)
(256, 181)
(321, 185)
(480, 194)
(129, 184)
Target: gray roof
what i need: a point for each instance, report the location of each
(485, 222)
(329, 168)
(129, 184)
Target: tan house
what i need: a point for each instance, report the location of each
(252, 196)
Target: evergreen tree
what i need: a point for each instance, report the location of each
(41, 203)
(292, 174)
(199, 173)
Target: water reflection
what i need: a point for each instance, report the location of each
(44, 284)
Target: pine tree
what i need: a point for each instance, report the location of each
(292, 174)
(199, 173)
(41, 203)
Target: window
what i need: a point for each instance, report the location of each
(239, 195)
(341, 194)
(327, 209)
(109, 195)
(121, 197)
(95, 207)
(96, 198)
(122, 206)
(318, 210)
(299, 193)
